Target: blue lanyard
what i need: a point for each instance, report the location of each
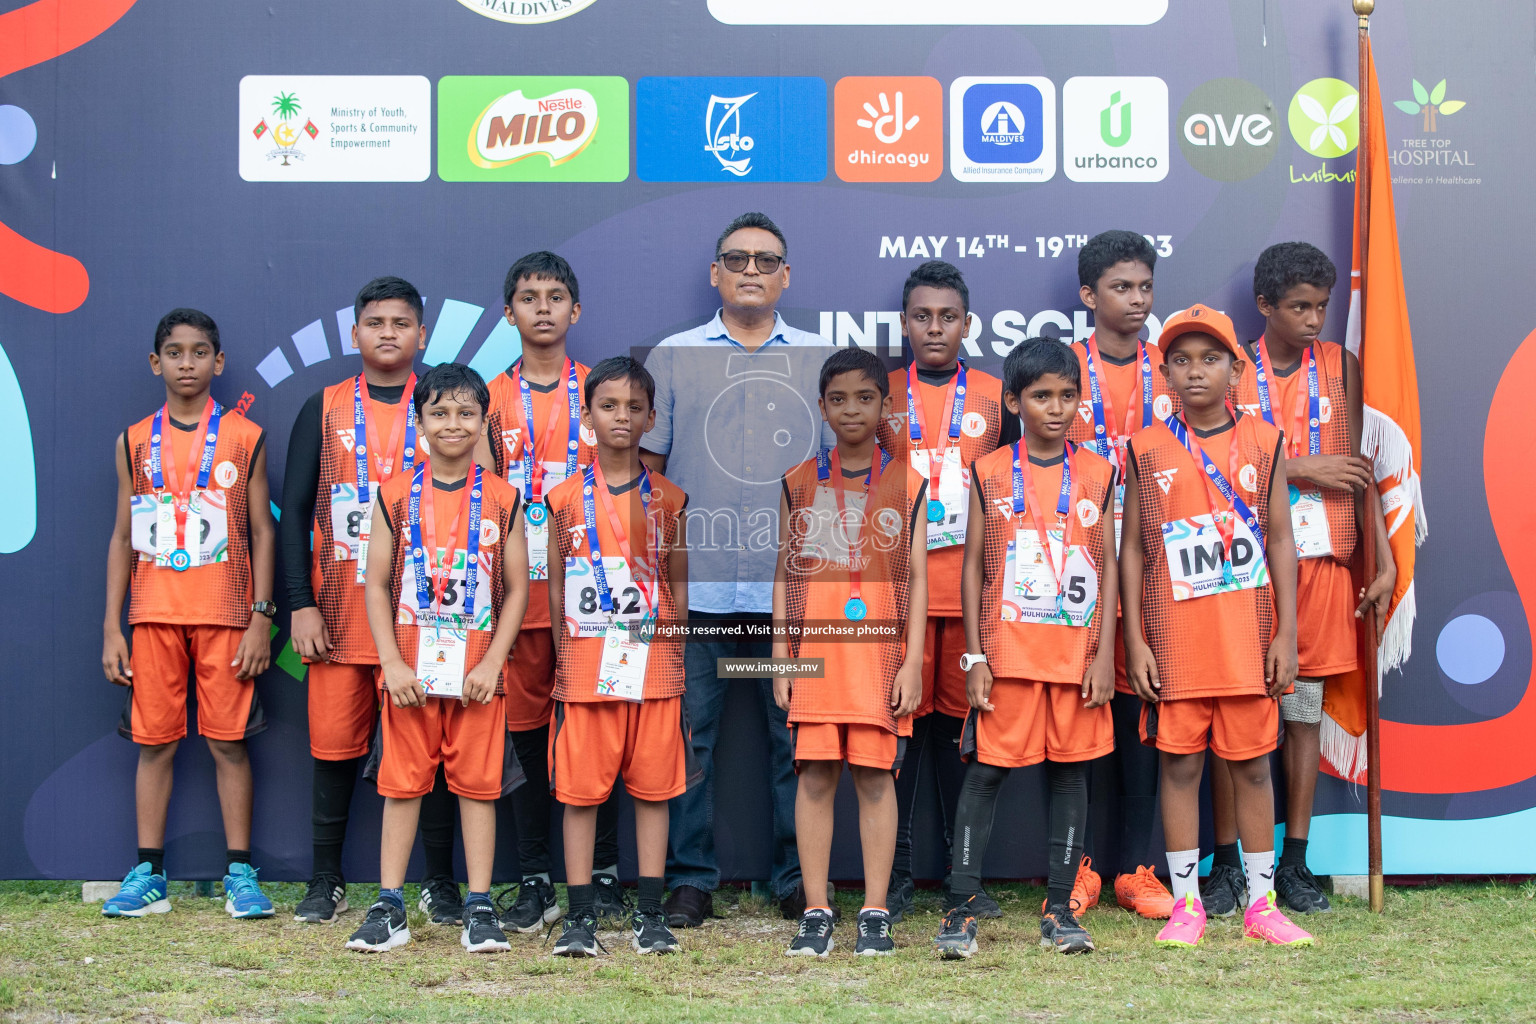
(1063, 505)
(210, 442)
(1239, 507)
(1314, 399)
(360, 436)
(1101, 438)
(589, 514)
(573, 413)
(824, 465)
(957, 413)
(1063, 500)
(420, 556)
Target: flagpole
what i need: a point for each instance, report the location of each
(1363, 9)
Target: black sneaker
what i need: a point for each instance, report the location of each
(982, 905)
(874, 934)
(1225, 892)
(650, 933)
(1060, 931)
(814, 938)
(957, 934)
(792, 907)
(383, 929)
(609, 901)
(325, 898)
(441, 902)
(579, 937)
(1298, 890)
(482, 932)
(900, 897)
(687, 906)
(535, 907)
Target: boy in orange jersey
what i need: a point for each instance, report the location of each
(534, 442)
(1039, 591)
(844, 558)
(1208, 581)
(347, 441)
(618, 584)
(192, 549)
(1302, 385)
(943, 417)
(446, 590)
(1122, 392)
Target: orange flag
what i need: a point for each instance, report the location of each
(1391, 428)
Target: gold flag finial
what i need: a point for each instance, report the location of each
(1364, 8)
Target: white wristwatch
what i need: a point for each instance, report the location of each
(968, 660)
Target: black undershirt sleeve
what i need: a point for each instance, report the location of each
(301, 482)
(1012, 430)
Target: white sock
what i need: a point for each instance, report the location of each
(1183, 873)
(1259, 869)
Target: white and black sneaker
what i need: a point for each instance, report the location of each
(325, 898)
(535, 907)
(609, 901)
(482, 932)
(441, 901)
(814, 938)
(579, 937)
(650, 933)
(383, 929)
(874, 934)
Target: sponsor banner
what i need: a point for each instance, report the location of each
(731, 129)
(937, 12)
(1115, 129)
(1227, 129)
(532, 128)
(335, 128)
(1002, 129)
(888, 129)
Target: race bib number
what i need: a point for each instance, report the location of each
(1031, 591)
(440, 661)
(1195, 566)
(953, 491)
(454, 598)
(621, 673)
(152, 520)
(1309, 524)
(825, 541)
(584, 615)
(351, 521)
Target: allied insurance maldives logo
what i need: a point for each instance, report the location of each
(532, 128)
(527, 12)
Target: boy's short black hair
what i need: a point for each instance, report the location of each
(381, 288)
(856, 360)
(753, 220)
(450, 379)
(191, 318)
(1033, 358)
(1285, 265)
(1107, 248)
(937, 274)
(620, 368)
(543, 264)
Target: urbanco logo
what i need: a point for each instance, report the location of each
(1115, 128)
(1227, 129)
(888, 129)
(1324, 118)
(532, 128)
(527, 12)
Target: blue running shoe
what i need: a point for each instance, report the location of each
(143, 892)
(242, 896)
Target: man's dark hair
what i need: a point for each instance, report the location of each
(450, 379)
(620, 368)
(937, 274)
(381, 288)
(753, 220)
(1285, 265)
(190, 317)
(1033, 358)
(541, 264)
(1107, 248)
(856, 360)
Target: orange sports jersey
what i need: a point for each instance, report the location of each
(1121, 386)
(504, 430)
(215, 594)
(337, 591)
(859, 675)
(651, 537)
(498, 514)
(1211, 646)
(980, 430)
(1041, 651)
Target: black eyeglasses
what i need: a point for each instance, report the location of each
(736, 261)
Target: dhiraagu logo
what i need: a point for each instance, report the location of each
(532, 128)
(1324, 118)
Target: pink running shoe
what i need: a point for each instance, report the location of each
(1266, 923)
(1186, 926)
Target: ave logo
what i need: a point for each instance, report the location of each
(1227, 129)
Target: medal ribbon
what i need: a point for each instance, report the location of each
(592, 480)
(1223, 486)
(1308, 404)
(533, 462)
(1103, 408)
(954, 412)
(365, 437)
(208, 426)
(429, 595)
(1024, 497)
(830, 466)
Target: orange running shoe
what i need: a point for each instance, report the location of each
(1085, 889)
(1144, 894)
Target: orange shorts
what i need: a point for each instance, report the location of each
(161, 656)
(1325, 618)
(592, 743)
(1236, 728)
(530, 680)
(343, 701)
(868, 746)
(1034, 722)
(943, 679)
(470, 742)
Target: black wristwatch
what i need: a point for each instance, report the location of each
(267, 608)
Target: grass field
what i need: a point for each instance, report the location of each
(1462, 952)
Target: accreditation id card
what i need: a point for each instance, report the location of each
(536, 516)
(1309, 524)
(440, 660)
(949, 501)
(1195, 564)
(621, 673)
(1031, 592)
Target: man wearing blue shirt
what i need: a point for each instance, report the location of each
(735, 408)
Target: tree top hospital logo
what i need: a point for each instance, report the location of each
(527, 12)
(1002, 129)
(1324, 117)
(1115, 128)
(532, 128)
(1431, 103)
(1227, 129)
(731, 129)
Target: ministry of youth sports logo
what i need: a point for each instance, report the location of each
(723, 135)
(527, 12)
